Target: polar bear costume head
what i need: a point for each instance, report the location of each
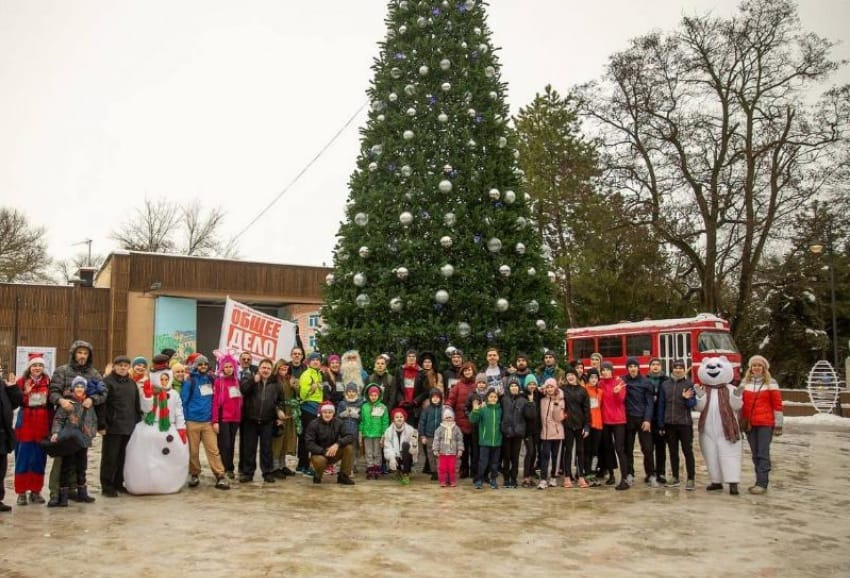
(716, 371)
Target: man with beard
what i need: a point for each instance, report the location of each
(453, 374)
(521, 370)
(352, 370)
(79, 365)
(549, 368)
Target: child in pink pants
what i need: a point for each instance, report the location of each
(447, 447)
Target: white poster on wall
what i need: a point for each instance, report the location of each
(24, 353)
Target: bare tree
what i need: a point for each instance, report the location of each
(163, 226)
(23, 250)
(66, 269)
(710, 134)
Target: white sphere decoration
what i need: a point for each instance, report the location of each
(532, 306)
(396, 304)
(502, 305)
(494, 95)
(363, 251)
(406, 171)
(441, 296)
(471, 143)
(470, 112)
(489, 72)
(381, 117)
(411, 111)
(408, 135)
(531, 271)
(541, 325)
(520, 248)
(502, 142)
(476, 30)
(362, 300)
(447, 270)
(494, 194)
(422, 22)
(449, 219)
(377, 149)
(402, 273)
(445, 186)
(361, 219)
(494, 245)
(526, 196)
(445, 64)
(446, 241)
(329, 278)
(483, 48)
(510, 197)
(498, 119)
(406, 218)
(521, 222)
(403, 5)
(463, 329)
(443, 117)
(409, 90)
(359, 279)
(450, 350)
(402, 29)
(446, 86)
(552, 276)
(376, 105)
(447, 168)
(463, 45)
(423, 70)
(373, 166)
(505, 271)
(392, 96)
(470, 4)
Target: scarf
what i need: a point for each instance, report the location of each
(448, 433)
(731, 431)
(160, 406)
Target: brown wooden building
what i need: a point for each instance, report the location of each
(119, 311)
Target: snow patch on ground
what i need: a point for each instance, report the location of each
(819, 419)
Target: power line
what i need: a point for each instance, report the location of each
(301, 172)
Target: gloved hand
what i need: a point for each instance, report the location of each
(147, 389)
(183, 436)
(777, 431)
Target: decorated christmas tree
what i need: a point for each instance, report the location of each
(438, 248)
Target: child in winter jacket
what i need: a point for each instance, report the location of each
(576, 428)
(594, 436)
(488, 417)
(348, 410)
(447, 447)
(613, 397)
(429, 421)
(516, 411)
(82, 417)
(401, 445)
(227, 411)
(374, 421)
(551, 432)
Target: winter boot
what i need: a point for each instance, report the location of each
(83, 495)
(63, 498)
(733, 489)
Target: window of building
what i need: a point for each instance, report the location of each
(313, 320)
(611, 346)
(313, 342)
(582, 348)
(638, 345)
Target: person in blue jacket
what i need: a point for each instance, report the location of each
(197, 395)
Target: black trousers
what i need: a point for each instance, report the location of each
(615, 437)
(591, 449)
(252, 432)
(303, 454)
(75, 463)
(467, 466)
(633, 428)
(227, 431)
(572, 438)
(4, 464)
(405, 462)
(474, 451)
(532, 449)
(112, 454)
(684, 435)
(510, 458)
(660, 445)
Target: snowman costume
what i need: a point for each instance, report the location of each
(157, 454)
(719, 403)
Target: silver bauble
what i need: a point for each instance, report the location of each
(406, 171)
(392, 97)
(505, 271)
(329, 278)
(471, 143)
(494, 95)
(359, 279)
(445, 186)
(381, 117)
(423, 70)
(362, 300)
(422, 22)
(396, 304)
(409, 90)
(395, 72)
(476, 30)
(361, 219)
(411, 111)
(552, 276)
(494, 245)
(532, 306)
(377, 150)
(449, 219)
(502, 142)
(447, 270)
(363, 251)
(402, 273)
(441, 296)
(445, 64)
(520, 248)
(471, 112)
(373, 166)
(463, 329)
(510, 197)
(489, 72)
(447, 168)
(446, 241)
(494, 194)
(483, 48)
(521, 222)
(541, 325)
(408, 135)
(502, 304)
(531, 271)
(406, 218)
(402, 29)
(446, 86)
(443, 117)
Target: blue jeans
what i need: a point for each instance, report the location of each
(760, 438)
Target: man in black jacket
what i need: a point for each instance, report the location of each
(10, 400)
(328, 443)
(640, 406)
(261, 396)
(122, 412)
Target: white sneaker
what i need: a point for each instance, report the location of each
(653, 482)
(553, 482)
(543, 485)
(630, 479)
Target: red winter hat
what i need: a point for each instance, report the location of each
(397, 411)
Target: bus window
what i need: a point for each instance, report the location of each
(716, 341)
(611, 346)
(638, 345)
(583, 348)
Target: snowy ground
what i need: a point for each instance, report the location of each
(800, 528)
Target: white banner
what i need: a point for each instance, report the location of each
(24, 353)
(246, 329)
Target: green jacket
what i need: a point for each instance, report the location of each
(374, 426)
(489, 420)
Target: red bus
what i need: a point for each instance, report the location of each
(690, 339)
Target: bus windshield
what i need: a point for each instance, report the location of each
(716, 341)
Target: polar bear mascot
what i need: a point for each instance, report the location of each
(719, 403)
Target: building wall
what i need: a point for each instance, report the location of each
(308, 320)
(140, 321)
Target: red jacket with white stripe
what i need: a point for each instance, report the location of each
(762, 403)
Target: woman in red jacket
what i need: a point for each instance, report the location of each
(614, 420)
(33, 425)
(762, 406)
(458, 396)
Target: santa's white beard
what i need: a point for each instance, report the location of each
(352, 372)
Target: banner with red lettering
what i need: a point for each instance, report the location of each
(246, 329)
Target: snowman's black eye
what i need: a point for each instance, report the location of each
(165, 451)
(169, 438)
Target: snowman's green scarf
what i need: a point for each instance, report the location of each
(160, 406)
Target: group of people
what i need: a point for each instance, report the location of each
(574, 423)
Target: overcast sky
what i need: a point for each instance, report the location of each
(103, 102)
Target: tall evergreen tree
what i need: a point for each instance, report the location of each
(438, 248)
